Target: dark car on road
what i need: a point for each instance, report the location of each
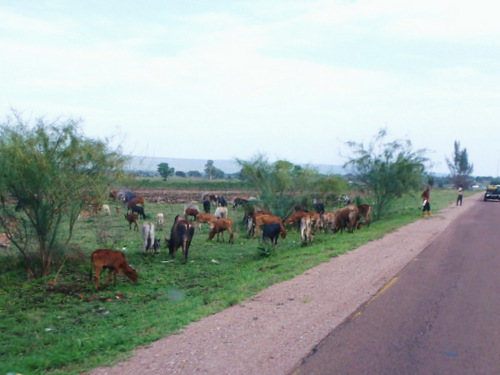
(492, 192)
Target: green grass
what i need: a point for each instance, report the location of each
(70, 328)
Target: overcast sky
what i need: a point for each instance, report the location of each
(290, 79)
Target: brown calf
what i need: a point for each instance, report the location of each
(219, 226)
(112, 260)
(365, 212)
(191, 211)
(203, 218)
(132, 219)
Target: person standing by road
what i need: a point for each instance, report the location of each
(460, 195)
(426, 205)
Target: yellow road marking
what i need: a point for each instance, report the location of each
(378, 294)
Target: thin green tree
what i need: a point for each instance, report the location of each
(50, 171)
(386, 170)
(280, 184)
(460, 169)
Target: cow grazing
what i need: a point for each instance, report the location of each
(319, 207)
(219, 226)
(112, 260)
(272, 232)
(132, 219)
(206, 206)
(191, 210)
(127, 196)
(160, 220)
(365, 212)
(139, 211)
(96, 208)
(250, 218)
(295, 218)
(221, 201)
(306, 233)
(328, 220)
(135, 201)
(261, 220)
(106, 209)
(221, 212)
(181, 235)
(84, 214)
(346, 218)
(148, 235)
(113, 194)
(238, 201)
(204, 219)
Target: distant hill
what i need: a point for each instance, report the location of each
(150, 164)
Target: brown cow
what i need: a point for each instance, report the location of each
(112, 260)
(266, 219)
(365, 212)
(181, 235)
(328, 219)
(191, 212)
(219, 226)
(132, 219)
(84, 214)
(249, 219)
(346, 218)
(295, 217)
(203, 218)
(134, 202)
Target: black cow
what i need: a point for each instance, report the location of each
(272, 231)
(221, 201)
(128, 196)
(138, 210)
(181, 234)
(319, 208)
(239, 201)
(206, 206)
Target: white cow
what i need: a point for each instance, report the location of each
(160, 220)
(106, 209)
(221, 212)
(148, 235)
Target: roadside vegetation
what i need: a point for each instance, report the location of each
(54, 322)
(58, 324)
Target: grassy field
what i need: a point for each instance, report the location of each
(60, 325)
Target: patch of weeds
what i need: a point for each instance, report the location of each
(266, 249)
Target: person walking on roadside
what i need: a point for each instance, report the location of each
(426, 205)
(460, 195)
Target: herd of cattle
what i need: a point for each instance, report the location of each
(258, 222)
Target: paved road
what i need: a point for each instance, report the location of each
(440, 315)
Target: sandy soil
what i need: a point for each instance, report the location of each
(271, 332)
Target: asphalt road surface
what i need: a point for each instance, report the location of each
(439, 316)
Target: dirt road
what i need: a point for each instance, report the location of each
(272, 332)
